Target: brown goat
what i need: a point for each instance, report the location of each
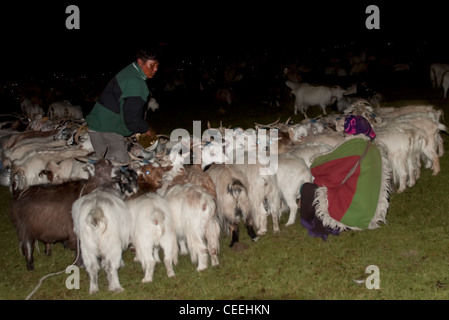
(44, 212)
(149, 178)
(194, 174)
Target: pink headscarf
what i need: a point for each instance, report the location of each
(355, 124)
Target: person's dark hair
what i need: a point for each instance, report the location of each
(147, 54)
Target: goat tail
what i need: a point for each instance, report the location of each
(157, 223)
(236, 187)
(240, 193)
(208, 206)
(97, 219)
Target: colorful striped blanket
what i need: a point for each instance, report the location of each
(350, 189)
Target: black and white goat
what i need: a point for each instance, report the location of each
(233, 203)
(264, 195)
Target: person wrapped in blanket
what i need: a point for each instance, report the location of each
(350, 187)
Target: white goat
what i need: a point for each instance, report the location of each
(401, 145)
(308, 151)
(196, 223)
(397, 112)
(30, 147)
(328, 137)
(426, 121)
(57, 110)
(102, 223)
(307, 96)
(30, 109)
(301, 130)
(32, 169)
(73, 112)
(153, 227)
(67, 169)
(436, 73)
(291, 174)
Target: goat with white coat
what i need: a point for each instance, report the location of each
(292, 173)
(436, 73)
(307, 95)
(102, 223)
(30, 109)
(196, 223)
(153, 228)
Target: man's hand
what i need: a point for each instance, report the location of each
(150, 133)
(148, 138)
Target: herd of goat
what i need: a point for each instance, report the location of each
(165, 198)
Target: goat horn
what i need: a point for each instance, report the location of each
(259, 125)
(163, 136)
(78, 132)
(273, 123)
(118, 164)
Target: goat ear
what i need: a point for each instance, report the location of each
(167, 168)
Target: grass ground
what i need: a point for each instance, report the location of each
(411, 251)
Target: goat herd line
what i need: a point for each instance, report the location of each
(164, 199)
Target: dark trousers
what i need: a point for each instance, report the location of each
(109, 145)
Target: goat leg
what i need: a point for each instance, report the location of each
(250, 229)
(27, 249)
(48, 249)
(234, 234)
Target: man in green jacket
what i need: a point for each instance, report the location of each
(119, 111)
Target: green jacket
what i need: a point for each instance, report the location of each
(122, 104)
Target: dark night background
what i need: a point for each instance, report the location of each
(39, 50)
(35, 38)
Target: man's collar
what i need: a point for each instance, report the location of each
(140, 71)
